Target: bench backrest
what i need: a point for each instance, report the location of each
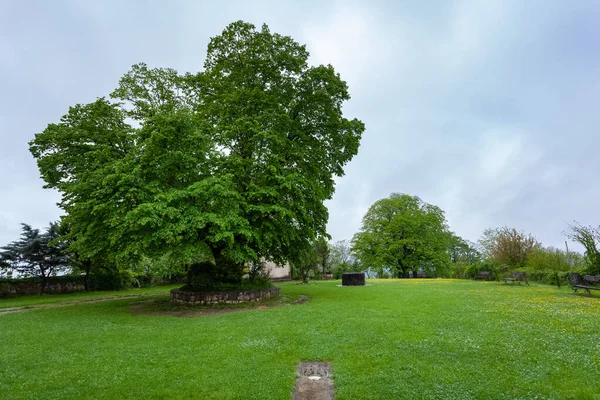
(575, 279)
(592, 278)
(484, 274)
(518, 274)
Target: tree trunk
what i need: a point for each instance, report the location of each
(87, 266)
(402, 271)
(43, 283)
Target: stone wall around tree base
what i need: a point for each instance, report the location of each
(179, 296)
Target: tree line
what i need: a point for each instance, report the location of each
(402, 236)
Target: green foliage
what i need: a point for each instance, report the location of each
(228, 165)
(339, 269)
(463, 251)
(548, 276)
(404, 233)
(36, 254)
(550, 258)
(322, 250)
(589, 238)
(458, 269)
(308, 263)
(508, 247)
(111, 280)
(471, 270)
(485, 265)
(551, 266)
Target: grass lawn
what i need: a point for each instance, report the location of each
(42, 300)
(396, 339)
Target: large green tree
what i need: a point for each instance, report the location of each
(228, 165)
(404, 233)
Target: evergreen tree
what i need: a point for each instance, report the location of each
(36, 254)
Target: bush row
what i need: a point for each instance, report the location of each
(68, 283)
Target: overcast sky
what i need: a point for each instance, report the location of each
(487, 109)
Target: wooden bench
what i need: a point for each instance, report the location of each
(586, 282)
(517, 277)
(483, 275)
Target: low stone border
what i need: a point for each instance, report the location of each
(179, 296)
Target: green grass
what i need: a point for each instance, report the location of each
(414, 339)
(29, 301)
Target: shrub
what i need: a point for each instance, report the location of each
(550, 258)
(458, 269)
(549, 276)
(111, 280)
(339, 269)
(471, 270)
(488, 265)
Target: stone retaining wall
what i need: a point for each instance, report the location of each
(179, 296)
(28, 288)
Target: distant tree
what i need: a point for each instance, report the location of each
(226, 166)
(323, 252)
(306, 264)
(463, 251)
(508, 247)
(313, 261)
(341, 258)
(36, 254)
(589, 238)
(5, 269)
(404, 233)
(464, 255)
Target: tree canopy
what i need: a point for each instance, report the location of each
(508, 246)
(36, 253)
(230, 164)
(463, 251)
(589, 238)
(405, 233)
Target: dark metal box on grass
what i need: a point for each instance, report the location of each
(353, 279)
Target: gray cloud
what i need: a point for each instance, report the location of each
(486, 109)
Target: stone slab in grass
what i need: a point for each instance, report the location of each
(314, 382)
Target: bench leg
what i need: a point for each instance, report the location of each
(588, 290)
